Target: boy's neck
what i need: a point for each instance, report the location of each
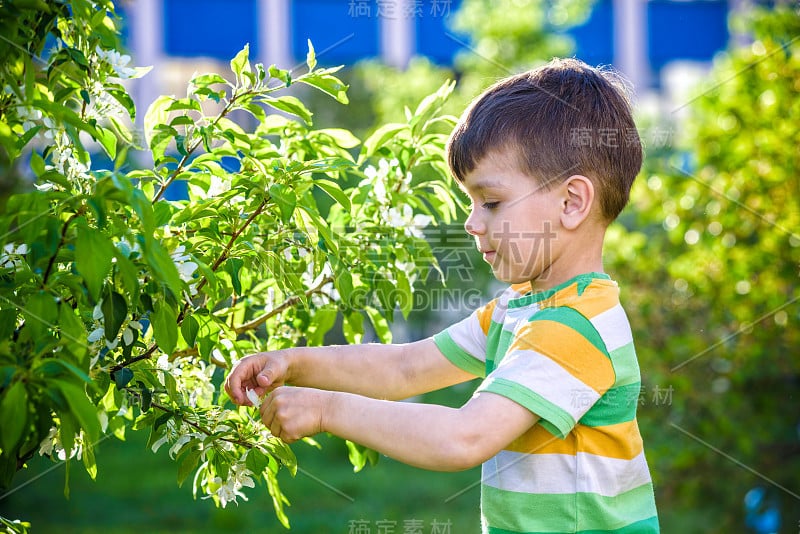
(580, 257)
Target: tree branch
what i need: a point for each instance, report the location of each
(143, 356)
(198, 426)
(194, 147)
(288, 303)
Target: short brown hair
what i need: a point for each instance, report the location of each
(560, 119)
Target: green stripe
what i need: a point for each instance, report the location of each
(577, 321)
(502, 340)
(626, 366)
(569, 512)
(458, 356)
(617, 405)
(583, 280)
(645, 526)
(492, 344)
(555, 420)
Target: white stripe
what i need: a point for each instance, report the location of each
(499, 312)
(613, 327)
(548, 379)
(468, 335)
(564, 473)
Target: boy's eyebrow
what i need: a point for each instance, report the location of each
(486, 184)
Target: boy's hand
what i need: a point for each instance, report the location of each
(260, 372)
(292, 413)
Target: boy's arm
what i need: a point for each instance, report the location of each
(373, 370)
(423, 435)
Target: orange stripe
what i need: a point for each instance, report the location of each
(569, 349)
(522, 288)
(485, 316)
(621, 441)
(590, 304)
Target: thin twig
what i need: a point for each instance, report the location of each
(288, 303)
(61, 240)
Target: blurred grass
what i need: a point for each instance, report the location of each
(136, 492)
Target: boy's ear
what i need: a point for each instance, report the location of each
(577, 201)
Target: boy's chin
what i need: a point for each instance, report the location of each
(511, 278)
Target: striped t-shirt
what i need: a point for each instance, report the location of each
(567, 355)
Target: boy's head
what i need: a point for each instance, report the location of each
(561, 119)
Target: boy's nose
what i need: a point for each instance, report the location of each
(473, 225)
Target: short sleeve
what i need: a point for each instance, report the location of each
(464, 343)
(557, 366)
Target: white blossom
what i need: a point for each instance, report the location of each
(405, 218)
(253, 397)
(96, 334)
(118, 62)
(10, 257)
(183, 263)
(238, 478)
(51, 445)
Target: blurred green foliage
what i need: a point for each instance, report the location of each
(709, 253)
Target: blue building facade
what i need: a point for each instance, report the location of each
(345, 31)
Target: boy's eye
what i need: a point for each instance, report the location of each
(490, 205)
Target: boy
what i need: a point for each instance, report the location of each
(548, 158)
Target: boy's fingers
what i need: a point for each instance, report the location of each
(263, 378)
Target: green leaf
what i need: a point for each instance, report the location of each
(360, 455)
(279, 74)
(279, 500)
(379, 138)
(353, 327)
(129, 274)
(73, 331)
(344, 138)
(8, 323)
(405, 296)
(285, 198)
(335, 192)
(115, 311)
(241, 63)
(380, 324)
(187, 463)
(322, 321)
(165, 326)
(87, 455)
(311, 56)
(93, 254)
(108, 141)
(256, 461)
(289, 104)
(328, 84)
(13, 416)
(189, 329)
(82, 408)
(41, 314)
(37, 163)
(156, 115)
(146, 396)
(204, 80)
(122, 377)
(161, 265)
(232, 267)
